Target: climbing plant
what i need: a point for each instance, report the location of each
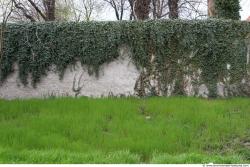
(179, 48)
(227, 9)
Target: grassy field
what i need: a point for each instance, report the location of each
(125, 130)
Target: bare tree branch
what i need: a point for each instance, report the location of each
(37, 9)
(24, 11)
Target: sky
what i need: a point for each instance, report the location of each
(245, 9)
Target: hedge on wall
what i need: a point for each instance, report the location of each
(227, 9)
(208, 45)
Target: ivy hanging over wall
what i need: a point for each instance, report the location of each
(179, 48)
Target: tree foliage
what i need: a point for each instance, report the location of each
(227, 9)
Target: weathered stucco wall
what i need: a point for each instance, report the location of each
(116, 78)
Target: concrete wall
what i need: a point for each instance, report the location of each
(116, 78)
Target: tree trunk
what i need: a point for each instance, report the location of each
(211, 8)
(173, 9)
(142, 8)
(50, 6)
(131, 4)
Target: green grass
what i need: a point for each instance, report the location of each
(125, 130)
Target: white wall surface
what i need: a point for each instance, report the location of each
(118, 77)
